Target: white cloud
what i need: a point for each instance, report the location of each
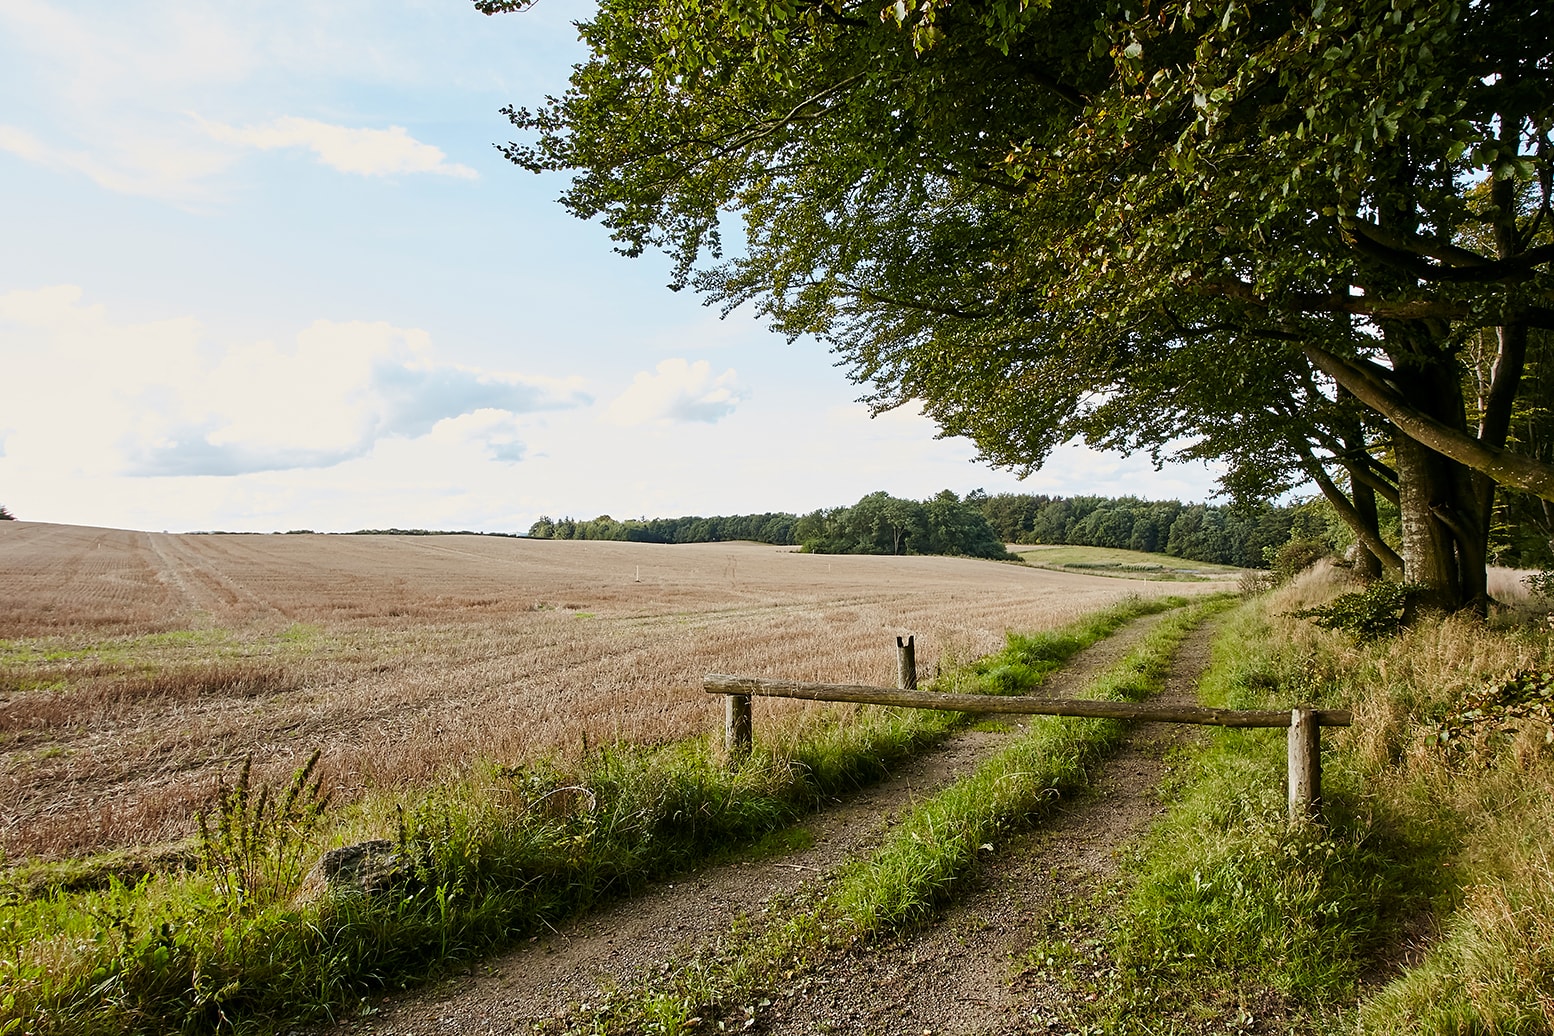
(152, 166)
(366, 152)
(100, 398)
(678, 391)
(109, 93)
(493, 431)
(105, 92)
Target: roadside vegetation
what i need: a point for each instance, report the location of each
(238, 939)
(1423, 906)
(1420, 904)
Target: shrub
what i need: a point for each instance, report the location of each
(1493, 712)
(1380, 610)
(1540, 584)
(1256, 581)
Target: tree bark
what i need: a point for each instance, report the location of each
(1429, 549)
(1369, 563)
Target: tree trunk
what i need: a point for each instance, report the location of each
(1429, 548)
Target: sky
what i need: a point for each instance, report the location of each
(264, 269)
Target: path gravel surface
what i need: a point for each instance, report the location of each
(959, 976)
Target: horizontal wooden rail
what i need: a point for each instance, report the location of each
(1024, 705)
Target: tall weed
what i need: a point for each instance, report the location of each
(259, 845)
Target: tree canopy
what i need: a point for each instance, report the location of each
(1312, 241)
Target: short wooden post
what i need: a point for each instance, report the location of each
(739, 737)
(906, 663)
(1305, 746)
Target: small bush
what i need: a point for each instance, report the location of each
(1489, 715)
(1540, 584)
(1256, 581)
(1381, 610)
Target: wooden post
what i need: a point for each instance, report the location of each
(739, 737)
(1305, 746)
(906, 663)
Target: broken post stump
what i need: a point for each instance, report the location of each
(906, 663)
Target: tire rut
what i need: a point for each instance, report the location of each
(565, 971)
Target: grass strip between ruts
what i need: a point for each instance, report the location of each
(921, 863)
(170, 954)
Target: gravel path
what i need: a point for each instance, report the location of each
(935, 982)
(965, 975)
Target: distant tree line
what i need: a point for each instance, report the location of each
(877, 524)
(884, 524)
(1241, 535)
(979, 525)
(5, 515)
(771, 527)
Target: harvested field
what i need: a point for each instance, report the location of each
(135, 667)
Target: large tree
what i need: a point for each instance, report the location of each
(1312, 241)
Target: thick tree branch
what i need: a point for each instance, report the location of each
(1355, 305)
(1366, 473)
(1506, 468)
(1482, 270)
(1041, 77)
(1495, 423)
(1415, 244)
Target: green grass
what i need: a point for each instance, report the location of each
(1129, 564)
(923, 862)
(113, 649)
(1227, 918)
(484, 863)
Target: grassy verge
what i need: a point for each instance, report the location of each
(1229, 920)
(475, 867)
(921, 864)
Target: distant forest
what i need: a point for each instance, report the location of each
(978, 525)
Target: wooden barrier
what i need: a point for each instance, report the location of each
(1305, 724)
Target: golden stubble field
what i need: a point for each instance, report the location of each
(136, 668)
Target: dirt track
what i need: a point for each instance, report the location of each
(958, 976)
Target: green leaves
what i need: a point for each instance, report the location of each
(1059, 220)
(1524, 698)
